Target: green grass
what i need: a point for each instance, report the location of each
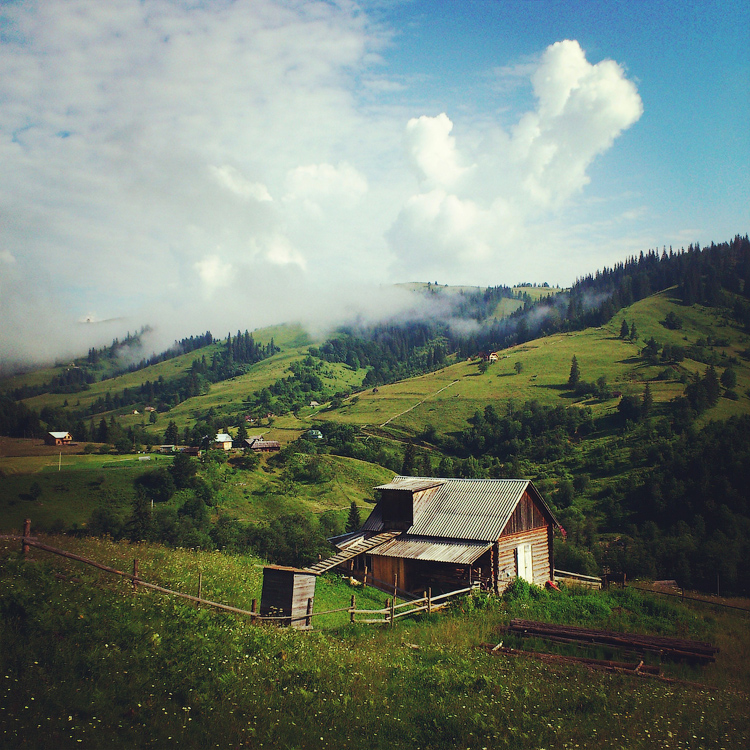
(84, 483)
(259, 496)
(69, 495)
(87, 662)
(546, 367)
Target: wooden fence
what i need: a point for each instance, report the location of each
(390, 613)
(578, 579)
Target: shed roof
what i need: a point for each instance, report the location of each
(60, 435)
(461, 509)
(411, 484)
(223, 437)
(434, 550)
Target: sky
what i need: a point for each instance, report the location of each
(220, 165)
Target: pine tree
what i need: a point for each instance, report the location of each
(648, 401)
(353, 522)
(711, 384)
(407, 468)
(633, 332)
(171, 434)
(575, 373)
(624, 330)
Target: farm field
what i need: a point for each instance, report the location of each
(72, 487)
(89, 662)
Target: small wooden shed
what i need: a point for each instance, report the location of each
(288, 593)
(452, 531)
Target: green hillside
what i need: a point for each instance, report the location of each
(88, 662)
(447, 398)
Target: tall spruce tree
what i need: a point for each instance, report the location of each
(410, 457)
(624, 330)
(575, 373)
(353, 522)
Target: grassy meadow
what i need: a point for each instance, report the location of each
(88, 662)
(72, 488)
(447, 398)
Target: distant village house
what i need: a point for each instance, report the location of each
(223, 441)
(58, 438)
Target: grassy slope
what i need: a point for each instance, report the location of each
(87, 482)
(88, 663)
(546, 366)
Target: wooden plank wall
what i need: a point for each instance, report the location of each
(385, 568)
(539, 550)
(526, 516)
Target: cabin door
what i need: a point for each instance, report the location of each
(524, 562)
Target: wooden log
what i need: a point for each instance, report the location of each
(674, 647)
(501, 650)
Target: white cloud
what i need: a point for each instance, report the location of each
(214, 272)
(233, 181)
(161, 157)
(320, 186)
(482, 216)
(432, 150)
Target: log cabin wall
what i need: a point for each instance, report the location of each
(507, 564)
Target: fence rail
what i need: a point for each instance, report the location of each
(389, 614)
(578, 578)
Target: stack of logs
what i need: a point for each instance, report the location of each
(673, 648)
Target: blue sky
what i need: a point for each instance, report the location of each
(220, 164)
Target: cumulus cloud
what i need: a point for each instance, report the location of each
(480, 214)
(432, 150)
(179, 164)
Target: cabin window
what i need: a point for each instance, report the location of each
(524, 562)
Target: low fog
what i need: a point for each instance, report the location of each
(239, 165)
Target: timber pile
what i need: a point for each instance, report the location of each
(607, 666)
(674, 648)
(635, 670)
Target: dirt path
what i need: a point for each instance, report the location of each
(406, 411)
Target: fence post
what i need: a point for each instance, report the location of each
(200, 588)
(253, 610)
(364, 579)
(393, 610)
(429, 600)
(135, 573)
(351, 609)
(308, 619)
(26, 533)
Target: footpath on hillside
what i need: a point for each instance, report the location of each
(406, 411)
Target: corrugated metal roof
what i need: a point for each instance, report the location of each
(461, 509)
(411, 484)
(434, 550)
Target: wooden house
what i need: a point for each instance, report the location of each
(223, 441)
(266, 446)
(445, 532)
(288, 593)
(58, 438)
